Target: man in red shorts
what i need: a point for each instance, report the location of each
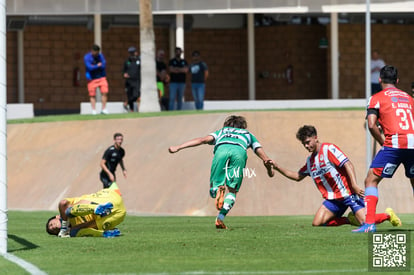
(393, 110)
(95, 64)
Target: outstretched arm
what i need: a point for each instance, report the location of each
(288, 173)
(267, 162)
(191, 143)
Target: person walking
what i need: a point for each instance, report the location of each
(110, 159)
(132, 75)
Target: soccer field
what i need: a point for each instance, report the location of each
(192, 245)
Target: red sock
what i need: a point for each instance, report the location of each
(380, 218)
(338, 221)
(371, 205)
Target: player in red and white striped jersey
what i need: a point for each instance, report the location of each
(326, 168)
(334, 176)
(393, 110)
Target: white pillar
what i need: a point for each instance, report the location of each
(368, 78)
(20, 65)
(334, 56)
(97, 30)
(179, 32)
(172, 42)
(251, 58)
(3, 130)
(179, 36)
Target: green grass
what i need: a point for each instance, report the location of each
(176, 245)
(73, 117)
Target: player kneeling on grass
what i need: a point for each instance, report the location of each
(334, 176)
(230, 145)
(93, 215)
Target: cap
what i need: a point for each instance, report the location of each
(132, 49)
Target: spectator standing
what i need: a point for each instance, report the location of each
(376, 65)
(199, 74)
(162, 78)
(178, 69)
(132, 76)
(95, 64)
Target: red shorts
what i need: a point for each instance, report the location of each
(102, 83)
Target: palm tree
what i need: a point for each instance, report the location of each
(149, 92)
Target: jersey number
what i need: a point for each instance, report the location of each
(406, 118)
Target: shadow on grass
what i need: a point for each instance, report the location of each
(26, 245)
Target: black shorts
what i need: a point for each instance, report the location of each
(105, 179)
(133, 91)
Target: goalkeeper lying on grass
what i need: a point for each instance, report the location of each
(92, 215)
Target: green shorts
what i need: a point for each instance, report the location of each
(160, 87)
(227, 167)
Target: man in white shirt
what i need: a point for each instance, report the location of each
(376, 65)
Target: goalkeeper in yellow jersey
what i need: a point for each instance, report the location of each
(92, 215)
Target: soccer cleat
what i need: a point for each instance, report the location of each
(365, 228)
(126, 108)
(93, 112)
(220, 197)
(213, 192)
(220, 224)
(352, 219)
(394, 220)
(112, 233)
(104, 209)
(104, 112)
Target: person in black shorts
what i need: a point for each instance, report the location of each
(110, 159)
(132, 75)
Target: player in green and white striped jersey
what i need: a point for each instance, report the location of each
(230, 145)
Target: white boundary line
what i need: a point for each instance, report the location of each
(36, 271)
(259, 272)
(25, 265)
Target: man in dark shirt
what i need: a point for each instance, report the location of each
(110, 159)
(162, 78)
(132, 76)
(199, 74)
(178, 69)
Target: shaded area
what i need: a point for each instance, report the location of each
(25, 244)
